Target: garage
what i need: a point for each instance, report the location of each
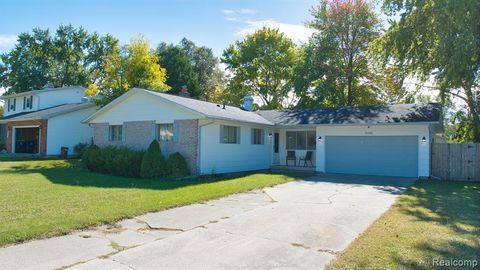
(372, 155)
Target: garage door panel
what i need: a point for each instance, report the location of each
(372, 155)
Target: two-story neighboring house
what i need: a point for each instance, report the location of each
(42, 121)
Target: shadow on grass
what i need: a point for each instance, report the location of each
(71, 172)
(452, 205)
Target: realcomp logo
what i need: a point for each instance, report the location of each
(454, 262)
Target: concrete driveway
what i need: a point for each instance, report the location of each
(297, 225)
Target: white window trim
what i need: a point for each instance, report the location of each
(110, 137)
(262, 136)
(222, 136)
(157, 128)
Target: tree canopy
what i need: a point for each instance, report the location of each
(134, 65)
(439, 40)
(262, 64)
(71, 56)
(335, 62)
(191, 66)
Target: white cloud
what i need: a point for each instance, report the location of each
(7, 41)
(228, 11)
(297, 32)
(247, 11)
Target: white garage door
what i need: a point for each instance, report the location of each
(372, 155)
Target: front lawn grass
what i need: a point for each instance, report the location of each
(52, 197)
(432, 220)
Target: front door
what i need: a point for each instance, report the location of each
(276, 141)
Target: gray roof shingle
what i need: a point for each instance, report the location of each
(381, 114)
(47, 112)
(216, 111)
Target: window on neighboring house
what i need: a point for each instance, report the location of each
(12, 104)
(258, 136)
(229, 134)
(301, 140)
(8, 105)
(116, 132)
(165, 132)
(29, 102)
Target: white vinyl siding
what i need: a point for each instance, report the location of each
(115, 132)
(229, 134)
(165, 132)
(217, 157)
(301, 140)
(258, 136)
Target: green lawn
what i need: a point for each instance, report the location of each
(433, 219)
(53, 197)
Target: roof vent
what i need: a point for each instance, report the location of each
(248, 103)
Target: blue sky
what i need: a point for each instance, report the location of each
(214, 23)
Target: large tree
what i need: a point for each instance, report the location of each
(134, 65)
(190, 65)
(179, 69)
(71, 56)
(262, 64)
(439, 40)
(335, 63)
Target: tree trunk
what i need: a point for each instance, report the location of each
(349, 80)
(475, 113)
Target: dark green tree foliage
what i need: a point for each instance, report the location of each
(440, 40)
(177, 165)
(71, 56)
(192, 66)
(153, 162)
(262, 64)
(179, 70)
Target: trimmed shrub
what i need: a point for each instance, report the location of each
(80, 148)
(153, 162)
(177, 165)
(113, 160)
(91, 158)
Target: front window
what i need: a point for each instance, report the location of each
(301, 140)
(257, 136)
(165, 132)
(229, 134)
(116, 132)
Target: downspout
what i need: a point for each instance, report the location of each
(200, 143)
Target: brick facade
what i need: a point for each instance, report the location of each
(136, 135)
(139, 134)
(43, 124)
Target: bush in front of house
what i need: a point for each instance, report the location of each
(113, 160)
(80, 148)
(153, 162)
(177, 165)
(123, 161)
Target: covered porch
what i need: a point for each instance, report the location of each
(294, 149)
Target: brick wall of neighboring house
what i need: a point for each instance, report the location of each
(139, 134)
(43, 123)
(136, 135)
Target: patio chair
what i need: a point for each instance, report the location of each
(306, 159)
(291, 156)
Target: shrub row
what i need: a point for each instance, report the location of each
(123, 161)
